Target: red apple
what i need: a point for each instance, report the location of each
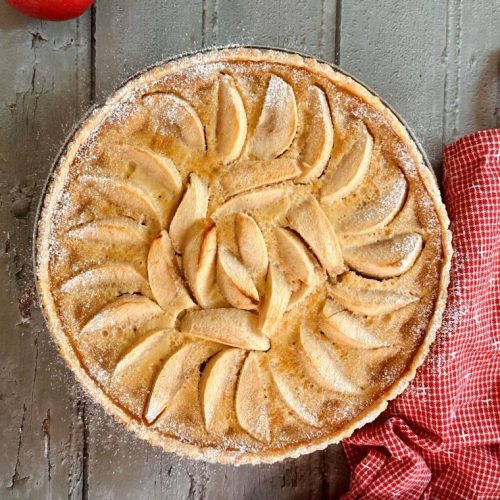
(54, 10)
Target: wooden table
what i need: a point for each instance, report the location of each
(436, 62)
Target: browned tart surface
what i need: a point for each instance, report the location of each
(242, 255)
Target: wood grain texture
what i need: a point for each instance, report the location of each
(479, 67)
(427, 60)
(44, 88)
(472, 90)
(303, 25)
(131, 35)
(398, 49)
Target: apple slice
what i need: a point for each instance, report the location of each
(164, 278)
(231, 130)
(126, 312)
(193, 207)
(301, 293)
(309, 220)
(367, 297)
(198, 260)
(111, 231)
(172, 116)
(154, 165)
(175, 373)
(346, 175)
(326, 361)
(215, 384)
(295, 395)
(343, 327)
(378, 212)
(116, 275)
(386, 258)
(318, 140)
(246, 175)
(254, 200)
(251, 401)
(233, 327)
(296, 261)
(251, 245)
(277, 123)
(149, 346)
(235, 281)
(127, 195)
(275, 301)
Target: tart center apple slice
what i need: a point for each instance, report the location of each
(229, 326)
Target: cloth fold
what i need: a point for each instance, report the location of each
(441, 438)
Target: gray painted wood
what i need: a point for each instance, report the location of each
(44, 88)
(478, 94)
(426, 59)
(471, 93)
(130, 36)
(436, 63)
(399, 49)
(304, 25)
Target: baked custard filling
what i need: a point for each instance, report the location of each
(242, 255)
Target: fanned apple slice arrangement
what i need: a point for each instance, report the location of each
(229, 304)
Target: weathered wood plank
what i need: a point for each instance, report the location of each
(399, 49)
(472, 98)
(479, 66)
(44, 86)
(131, 35)
(319, 475)
(303, 25)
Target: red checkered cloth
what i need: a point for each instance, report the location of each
(441, 438)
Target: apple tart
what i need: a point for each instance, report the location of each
(242, 255)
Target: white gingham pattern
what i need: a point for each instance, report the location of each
(441, 438)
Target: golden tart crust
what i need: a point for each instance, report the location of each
(242, 255)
